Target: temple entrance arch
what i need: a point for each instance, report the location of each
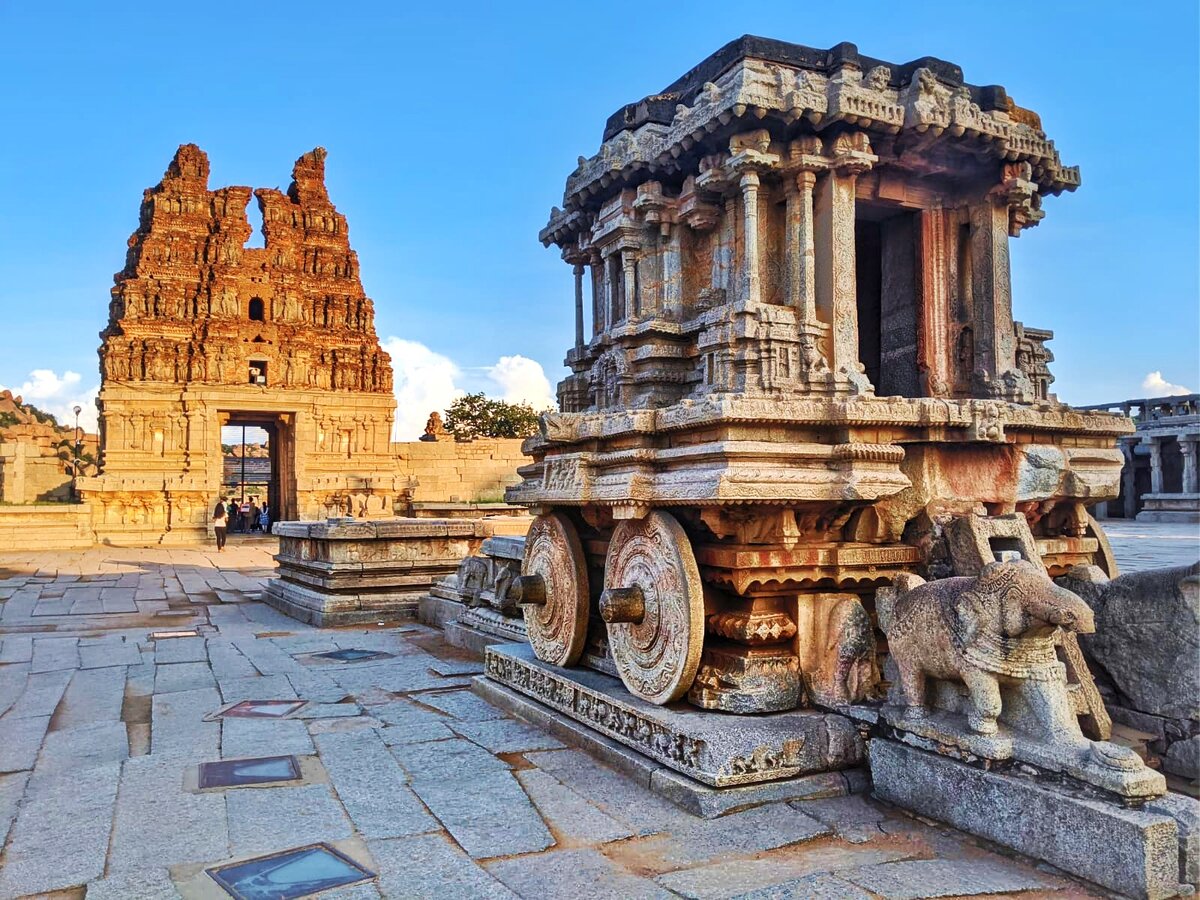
(272, 477)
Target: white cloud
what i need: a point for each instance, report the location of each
(522, 380)
(426, 381)
(423, 382)
(59, 395)
(1156, 386)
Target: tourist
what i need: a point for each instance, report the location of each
(255, 512)
(264, 518)
(220, 519)
(231, 512)
(244, 517)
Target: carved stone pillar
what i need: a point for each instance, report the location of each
(672, 273)
(991, 290)
(597, 266)
(629, 267)
(1128, 477)
(934, 355)
(799, 247)
(751, 278)
(1156, 467)
(1187, 448)
(578, 270)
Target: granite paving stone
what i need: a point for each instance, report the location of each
(182, 677)
(788, 865)
(142, 884)
(83, 746)
(60, 837)
(12, 684)
(476, 797)
(316, 687)
(574, 875)
(257, 687)
(115, 652)
(92, 696)
(180, 650)
(241, 738)
(749, 831)
(50, 654)
(372, 786)
(462, 705)
(262, 820)
(811, 887)
(16, 648)
(178, 727)
(227, 662)
(507, 735)
(620, 797)
(424, 866)
(20, 740)
(918, 879)
(329, 711)
(569, 815)
(151, 796)
(12, 789)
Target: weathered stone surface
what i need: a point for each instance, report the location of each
(573, 874)
(1186, 813)
(178, 727)
(507, 736)
(1147, 639)
(1129, 851)
(567, 813)
(475, 797)
(916, 879)
(92, 696)
(781, 874)
(22, 740)
(145, 884)
(79, 748)
(60, 837)
(716, 750)
(372, 787)
(462, 705)
(152, 793)
(243, 738)
(430, 866)
(262, 820)
(42, 693)
(191, 676)
(408, 723)
(12, 789)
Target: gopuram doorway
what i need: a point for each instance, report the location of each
(258, 461)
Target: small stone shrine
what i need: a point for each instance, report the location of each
(802, 418)
(205, 331)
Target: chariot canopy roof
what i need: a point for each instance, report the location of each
(922, 116)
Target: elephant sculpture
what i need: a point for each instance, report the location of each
(984, 632)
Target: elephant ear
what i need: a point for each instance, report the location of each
(968, 617)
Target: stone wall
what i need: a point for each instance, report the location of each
(452, 472)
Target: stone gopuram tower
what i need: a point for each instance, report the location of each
(205, 332)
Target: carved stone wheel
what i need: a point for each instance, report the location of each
(654, 606)
(557, 625)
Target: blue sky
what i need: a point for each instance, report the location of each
(451, 129)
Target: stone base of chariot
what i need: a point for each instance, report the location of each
(472, 606)
(719, 750)
(1145, 851)
(350, 571)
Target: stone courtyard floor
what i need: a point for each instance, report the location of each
(402, 768)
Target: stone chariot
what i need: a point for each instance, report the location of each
(803, 378)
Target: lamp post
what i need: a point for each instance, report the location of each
(75, 467)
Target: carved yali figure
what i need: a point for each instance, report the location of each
(992, 638)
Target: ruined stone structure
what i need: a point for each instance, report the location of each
(1160, 481)
(205, 331)
(801, 365)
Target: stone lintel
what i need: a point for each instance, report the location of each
(1131, 851)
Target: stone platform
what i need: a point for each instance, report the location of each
(716, 749)
(349, 571)
(1136, 852)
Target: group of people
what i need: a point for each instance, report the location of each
(246, 517)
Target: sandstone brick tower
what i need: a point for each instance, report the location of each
(204, 331)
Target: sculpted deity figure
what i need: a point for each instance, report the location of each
(435, 430)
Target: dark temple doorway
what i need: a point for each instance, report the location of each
(257, 466)
(887, 294)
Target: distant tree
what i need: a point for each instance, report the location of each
(226, 449)
(476, 415)
(7, 418)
